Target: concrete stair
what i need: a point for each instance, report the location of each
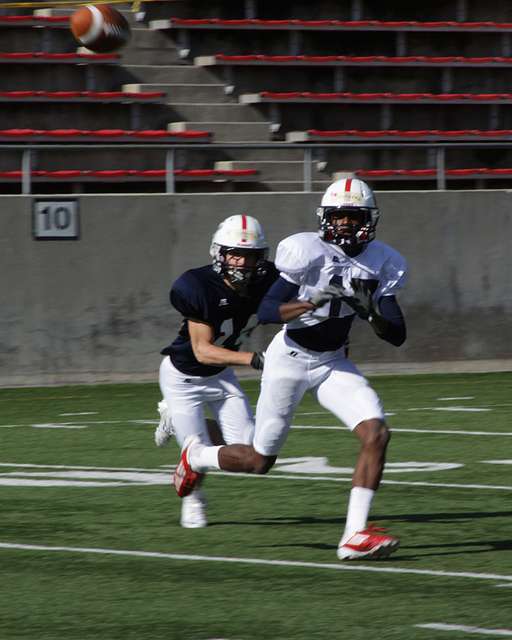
(216, 112)
(164, 74)
(149, 47)
(186, 92)
(273, 170)
(228, 131)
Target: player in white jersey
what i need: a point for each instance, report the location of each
(326, 280)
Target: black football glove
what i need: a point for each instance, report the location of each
(362, 302)
(258, 360)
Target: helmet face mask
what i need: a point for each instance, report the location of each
(347, 226)
(348, 214)
(240, 277)
(239, 236)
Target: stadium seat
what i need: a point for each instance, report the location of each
(331, 25)
(431, 174)
(82, 96)
(102, 135)
(314, 135)
(33, 21)
(372, 98)
(135, 175)
(344, 60)
(42, 57)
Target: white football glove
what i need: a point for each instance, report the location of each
(328, 293)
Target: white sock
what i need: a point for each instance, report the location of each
(358, 509)
(203, 458)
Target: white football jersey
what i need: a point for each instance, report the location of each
(312, 264)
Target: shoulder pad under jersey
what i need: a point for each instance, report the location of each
(295, 253)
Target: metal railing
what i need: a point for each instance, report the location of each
(170, 149)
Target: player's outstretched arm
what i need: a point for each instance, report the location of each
(202, 337)
(385, 317)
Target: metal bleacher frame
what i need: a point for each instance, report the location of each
(307, 181)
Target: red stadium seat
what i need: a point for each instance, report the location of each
(34, 21)
(102, 135)
(342, 97)
(330, 25)
(81, 96)
(132, 175)
(334, 60)
(347, 135)
(41, 57)
(431, 174)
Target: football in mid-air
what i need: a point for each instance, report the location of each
(101, 28)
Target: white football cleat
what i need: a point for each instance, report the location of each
(165, 430)
(193, 511)
(368, 544)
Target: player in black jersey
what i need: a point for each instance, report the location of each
(216, 302)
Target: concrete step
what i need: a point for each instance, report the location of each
(229, 131)
(216, 112)
(179, 74)
(251, 155)
(144, 38)
(188, 93)
(273, 170)
(132, 55)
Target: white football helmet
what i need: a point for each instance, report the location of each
(349, 195)
(239, 234)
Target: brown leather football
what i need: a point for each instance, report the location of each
(100, 28)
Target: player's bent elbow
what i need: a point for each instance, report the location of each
(203, 356)
(269, 314)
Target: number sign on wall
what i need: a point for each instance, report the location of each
(55, 220)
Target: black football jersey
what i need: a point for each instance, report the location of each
(201, 294)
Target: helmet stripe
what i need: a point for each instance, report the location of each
(348, 184)
(244, 225)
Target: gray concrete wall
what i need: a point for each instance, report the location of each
(97, 309)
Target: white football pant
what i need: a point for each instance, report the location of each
(290, 371)
(187, 396)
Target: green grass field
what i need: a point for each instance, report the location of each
(81, 478)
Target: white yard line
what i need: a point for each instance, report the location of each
(259, 561)
(73, 425)
(439, 626)
(86, 468)
(271, 476)
(456, 409)
(80, 413)
(58, 426)
(455, 432)
(400, 430)
(442, 485)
